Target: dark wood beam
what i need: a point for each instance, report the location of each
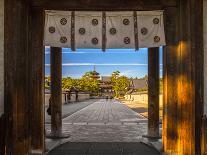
(36, 80)
(16, 77)
(153, 92)
(170, 81)
(190, 105)
(183, 76)
(198, 60)
(104, 4)
(56, 91)
(2, 135)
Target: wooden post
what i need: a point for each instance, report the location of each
(190, 97)
(36, 80)
(170, 81)
(204, 135)
(16, 61)
(2, 135)
(153, 92)
(183, 79)
(56, 90)
(56, 93)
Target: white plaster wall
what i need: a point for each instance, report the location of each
(142, 98)
(205, 54)
(1, 56)
(81, 97)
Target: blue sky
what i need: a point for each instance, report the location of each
(129, 62)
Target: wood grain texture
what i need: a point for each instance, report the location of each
(36, 80)
(104, 4)
(198, 59)
(190, 105)
(170, 80)
(153, 92)
(2, 135)
(56, 90)
(183, 80)
(16, 77)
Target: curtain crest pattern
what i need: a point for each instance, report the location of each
(105, 30)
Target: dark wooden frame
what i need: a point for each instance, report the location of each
(24, 77)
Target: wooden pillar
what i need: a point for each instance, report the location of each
(153, 92)
(170, 81)
(56, 90)
(183, 79)
(190, 104)
(17, 115)
(56, 93)
(36, 81)
(2, 135)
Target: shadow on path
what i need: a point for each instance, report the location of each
(110, 148)
(70, 108)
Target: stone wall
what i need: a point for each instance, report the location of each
(205, 55)
(1, 56)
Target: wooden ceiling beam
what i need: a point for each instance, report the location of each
(103, 4)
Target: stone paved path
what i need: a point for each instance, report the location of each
(105, 112)
(102, 121)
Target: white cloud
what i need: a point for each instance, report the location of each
(104, 64)
(69, 52)
(128, 72)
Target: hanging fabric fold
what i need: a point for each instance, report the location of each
(88, 29)
(57, 29)
(104, 30)
(120, 30)
(150, 29)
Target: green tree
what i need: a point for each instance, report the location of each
(47, 82)
(90, 82)
(68, 83)
(115, 75)
(120, 83)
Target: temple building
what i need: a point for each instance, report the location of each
(138, 84)
(95, 74)
(106, 87)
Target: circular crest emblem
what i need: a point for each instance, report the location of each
(156, 39)
(94, 22)
(82, 31)
(94, 41)
(156, 21)
(112, 31)
(52, 29)
(63, 40)
(126, 21)
(63, 21)
(127, 40)
(144, 31)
